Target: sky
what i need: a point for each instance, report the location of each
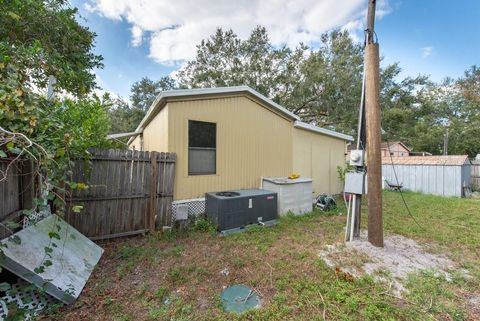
(152, 38)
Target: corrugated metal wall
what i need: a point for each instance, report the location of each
(446, 180)
(250, 144)
(317, 156)
(155, 135)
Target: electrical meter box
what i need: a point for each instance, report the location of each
(357, 157)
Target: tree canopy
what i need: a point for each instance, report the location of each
(45, 38)
(39, 39)
(323, 86)
(144, 92)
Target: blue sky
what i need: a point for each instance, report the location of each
(152, 38)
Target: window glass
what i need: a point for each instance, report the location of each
(201, 134)
(202, 142)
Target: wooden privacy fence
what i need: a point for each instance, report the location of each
(128, 192)
(16, 190)
(475, 170)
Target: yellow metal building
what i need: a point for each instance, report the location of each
(228, 138)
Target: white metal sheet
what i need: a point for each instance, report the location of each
(73, 257)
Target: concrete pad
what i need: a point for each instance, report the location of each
(73, 258)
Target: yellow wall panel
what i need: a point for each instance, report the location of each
(317, 156)
(155, 135)
(252, 141)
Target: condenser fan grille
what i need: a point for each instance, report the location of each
(228, 194)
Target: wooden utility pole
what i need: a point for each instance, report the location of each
(445, 141)
(373, 129)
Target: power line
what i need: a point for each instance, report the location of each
(400, 190)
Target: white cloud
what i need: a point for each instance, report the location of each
(426, 51)
(175, 28)
(137, 36)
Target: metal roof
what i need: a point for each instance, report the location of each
(162, 98)
(328, 132)
(456, 160)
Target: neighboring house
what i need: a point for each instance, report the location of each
(228, 138)
(395, 149)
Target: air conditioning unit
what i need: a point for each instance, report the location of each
(236, 209)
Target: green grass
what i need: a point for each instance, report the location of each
(177, 275)
(445, 220)
(453, 224)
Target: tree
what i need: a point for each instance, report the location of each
(226, 60)
(39, 39)
(43, 38)
(403, 115)
(452, 105)
(322, 86)
(464, 114)
(328, 86)
(144, 92)
(125, 117)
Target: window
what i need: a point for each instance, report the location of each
(202, 147)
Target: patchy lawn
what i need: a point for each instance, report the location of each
(179, 276)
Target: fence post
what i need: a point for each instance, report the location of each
(153, 191)
(27, 184)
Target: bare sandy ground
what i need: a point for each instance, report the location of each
(399, 257)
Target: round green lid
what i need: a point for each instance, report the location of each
(239, 298)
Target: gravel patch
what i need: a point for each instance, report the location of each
(399, 257)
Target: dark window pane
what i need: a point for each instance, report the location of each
(201, 134)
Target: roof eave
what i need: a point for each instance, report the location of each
(122, 135)
(328, 132)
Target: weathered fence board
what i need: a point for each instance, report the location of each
(129, 192)
(16, 186)
(9, 189)
(475, 172)
(16, 191)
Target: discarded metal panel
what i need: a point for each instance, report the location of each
(72, 257)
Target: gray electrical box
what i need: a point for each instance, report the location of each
(182, 212)
(356, 183)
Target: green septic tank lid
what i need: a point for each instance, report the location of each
(239, 298)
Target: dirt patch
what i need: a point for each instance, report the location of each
(473, 305)
(399, 257)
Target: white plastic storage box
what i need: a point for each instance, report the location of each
(294, 195)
